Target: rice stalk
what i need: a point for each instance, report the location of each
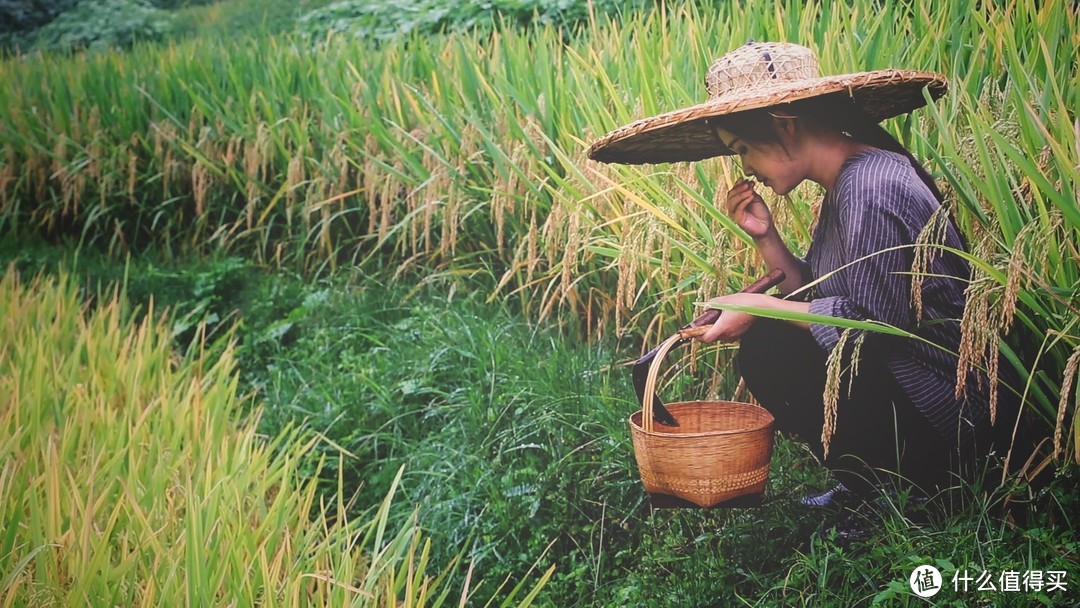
(131, 475)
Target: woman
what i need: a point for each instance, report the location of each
(900, 417)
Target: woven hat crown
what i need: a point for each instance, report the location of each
(761, 75)
(760, 65)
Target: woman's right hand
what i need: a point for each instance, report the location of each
(748, 210)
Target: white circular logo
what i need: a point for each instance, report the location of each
(925, 581)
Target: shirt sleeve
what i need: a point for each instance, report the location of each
(877, 279)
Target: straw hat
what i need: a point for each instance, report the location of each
(758, 75)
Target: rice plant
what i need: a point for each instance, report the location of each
(130, 478)
(466, 151)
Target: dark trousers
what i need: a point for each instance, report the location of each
(880, 436)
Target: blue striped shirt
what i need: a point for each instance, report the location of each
(878, 202)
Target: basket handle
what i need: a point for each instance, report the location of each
(695, 328)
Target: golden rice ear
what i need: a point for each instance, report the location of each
(974, 327)
(856, 355)
(1067, 381)
(834, 368)
(926, 251)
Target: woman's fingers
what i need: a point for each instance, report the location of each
(748, 209)
(717, 329)
(739, 199)
(731, 324)
(740, 193)
(742, 209)
(713, 334)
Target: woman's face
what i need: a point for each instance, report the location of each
(771, 163)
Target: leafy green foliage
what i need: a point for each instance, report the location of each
(496, 422)
(25, 15)
(103, 24)
(388, 19)
(175, 4)
(20, 18)
(22, 22)
(229, 19)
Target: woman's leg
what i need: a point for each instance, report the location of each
(877, 428)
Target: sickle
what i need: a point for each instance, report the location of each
(692, 329)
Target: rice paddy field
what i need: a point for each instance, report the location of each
(330, 319)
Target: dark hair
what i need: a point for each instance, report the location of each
(832, 112)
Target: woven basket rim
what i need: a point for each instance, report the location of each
(770, 421)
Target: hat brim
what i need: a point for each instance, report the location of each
(684, 135)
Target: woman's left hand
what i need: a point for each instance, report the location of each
(732, 324)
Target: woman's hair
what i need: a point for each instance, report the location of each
(838, 114)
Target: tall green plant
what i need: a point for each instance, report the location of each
(130, 478)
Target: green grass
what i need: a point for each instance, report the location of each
(517, 444)
(516, 451)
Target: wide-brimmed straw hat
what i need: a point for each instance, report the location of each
(760, 75)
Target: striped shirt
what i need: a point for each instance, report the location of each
(878, 203)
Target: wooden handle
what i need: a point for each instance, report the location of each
(695, 328)
(700, 324)
(694, 332)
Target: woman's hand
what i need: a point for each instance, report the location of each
(732, 324)
(747, 209)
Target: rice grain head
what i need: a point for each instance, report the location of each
(833, 371)
(856, 352)
(95, 150)
(37, 166)
(553, 231)
(294, 179)
(926, 251)
(1067, 381)
(571, 252)
(60, 172)
(976, 327)
(232, 151)
(256, 155)
(532, 240)
(200, 184)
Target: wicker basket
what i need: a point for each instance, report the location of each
(720, 451)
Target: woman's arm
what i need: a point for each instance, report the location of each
(777, 255)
